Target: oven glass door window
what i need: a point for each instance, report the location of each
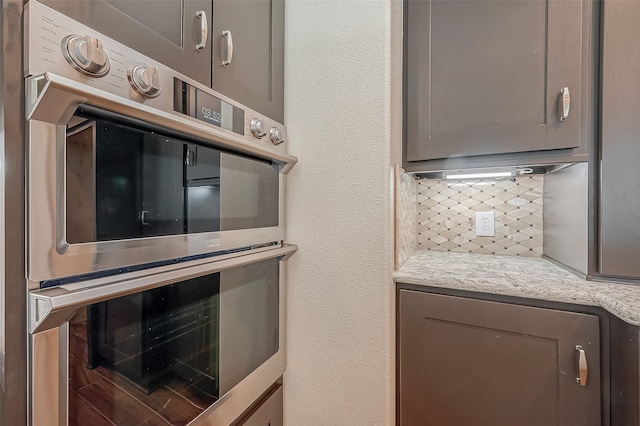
(124, 181)
(164, 355)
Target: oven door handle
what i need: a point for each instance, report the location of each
(48, 308)
(54, 99)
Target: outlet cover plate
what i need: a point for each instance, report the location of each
(485, 224)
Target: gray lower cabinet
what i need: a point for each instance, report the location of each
(254, 75)
(269, 412)
(485, 77)
(625, 373)
(475, 362)
(167, 31)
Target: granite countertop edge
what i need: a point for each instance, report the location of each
(531, 278)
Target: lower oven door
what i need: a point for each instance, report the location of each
(191, 345)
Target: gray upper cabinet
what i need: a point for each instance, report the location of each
(167, 31)
(254, 31)
(485, 77)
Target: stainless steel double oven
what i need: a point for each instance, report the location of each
(156, 256)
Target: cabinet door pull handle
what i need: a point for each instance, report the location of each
(204, 29)
(564, 104)
(229, 53)
(582, 366)
(191, 157)
(143, 217)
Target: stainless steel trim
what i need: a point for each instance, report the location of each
(204, 29)
(161, 269)
(229, 52)
(49, 376)
(48, 308)
(14, 396)
(53, 99)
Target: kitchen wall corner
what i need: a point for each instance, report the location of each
(342, 74)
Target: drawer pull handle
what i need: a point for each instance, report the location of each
(582, 366)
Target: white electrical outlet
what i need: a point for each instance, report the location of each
(485, 224)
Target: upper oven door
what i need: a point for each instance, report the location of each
(109, 191)
(132, 163)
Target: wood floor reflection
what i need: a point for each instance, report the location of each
(101, 397)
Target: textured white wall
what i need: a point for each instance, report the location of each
(341, 111)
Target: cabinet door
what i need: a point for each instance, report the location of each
(478, 363)
(255, 76)
(166, 31)
(620, 175)
(202, 163)
(484, 77)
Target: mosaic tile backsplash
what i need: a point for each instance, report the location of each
(406, 214)
(447, 211)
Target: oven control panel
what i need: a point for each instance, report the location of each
(62, 46)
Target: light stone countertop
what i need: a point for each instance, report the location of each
(531, 278)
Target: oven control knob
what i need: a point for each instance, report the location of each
(276, 136)
(145, 79)
(257, 128)
(85, 54)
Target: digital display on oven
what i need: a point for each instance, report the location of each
(208, 108)
(215, 111)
